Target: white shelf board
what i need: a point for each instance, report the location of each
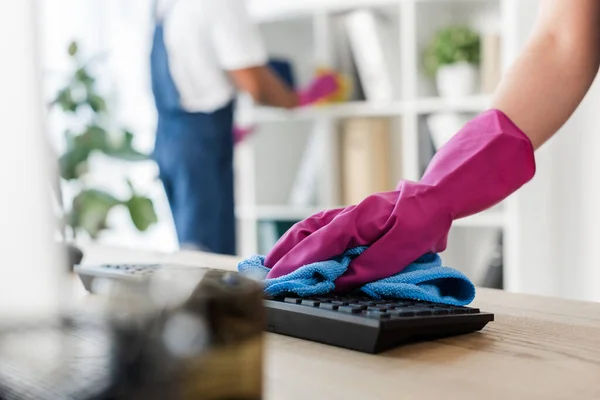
(264, 11)
(454, 1)
(486, 219)
(277, 10)
(262, 114)
(277, 212)
(476, 103)
(341, 110)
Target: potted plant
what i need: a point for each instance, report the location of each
(89, 130)
(452, 57)
(445, 124)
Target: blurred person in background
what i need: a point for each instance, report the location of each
(203, 52)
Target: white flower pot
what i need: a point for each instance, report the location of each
(457, 80)
(444, 125)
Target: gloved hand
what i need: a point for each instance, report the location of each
(239, 134)
(320, 88)
(486, 161)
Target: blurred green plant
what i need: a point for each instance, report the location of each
(91, 206)
(450, 45)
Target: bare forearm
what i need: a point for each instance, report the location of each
(274, 92)
(548, 81)
(265, 87)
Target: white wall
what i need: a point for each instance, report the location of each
(29, 271)
(578, 183)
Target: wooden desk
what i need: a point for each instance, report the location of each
(537, 348)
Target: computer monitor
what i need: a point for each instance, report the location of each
(30, 272)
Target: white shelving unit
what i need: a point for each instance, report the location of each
(371, 109)
(302, 31)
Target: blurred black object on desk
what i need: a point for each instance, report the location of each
(74, 255)
(184, 333)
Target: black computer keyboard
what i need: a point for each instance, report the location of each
(360, 323)
(353, 321)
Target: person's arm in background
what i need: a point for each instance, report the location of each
(265, 87)
(241, 53)
(555, 70)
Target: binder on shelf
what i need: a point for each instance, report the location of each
(305, 188)
(426, 147)
(494, 274)
(491, 63)
(371, 41)
(343, 61)
(269, 232)
(267, 236)
(365, 156)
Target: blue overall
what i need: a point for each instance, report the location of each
(194, 153)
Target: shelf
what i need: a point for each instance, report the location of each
(476, 103)
(488, 219)
(277, 212)
(371, 109)
(273, 11)
(342, 110)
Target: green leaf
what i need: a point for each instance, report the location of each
(73, 163)
(96, 102)
(66, 101)
(127, 155)
(449, 45)
(142, 212)
(73, 48)
(90, 210)
(125, 150)
(82, 75)
(94, 138)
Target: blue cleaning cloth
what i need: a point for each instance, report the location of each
(426, 279)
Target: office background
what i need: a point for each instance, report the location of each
(549, 229)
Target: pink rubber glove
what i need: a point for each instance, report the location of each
(239, 134)
(319, 89)
(486, 161)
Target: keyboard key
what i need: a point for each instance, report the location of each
(367, 303)
(440, 311)
(418, 310)
(293, 300)
(312, 303)
(401, 313)
(458, 311)
(403, 304)
(357, 305)
(471, 310)
(378, 308)
(350, 309)
(328, 306)
(378, 314)
(341, 303)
